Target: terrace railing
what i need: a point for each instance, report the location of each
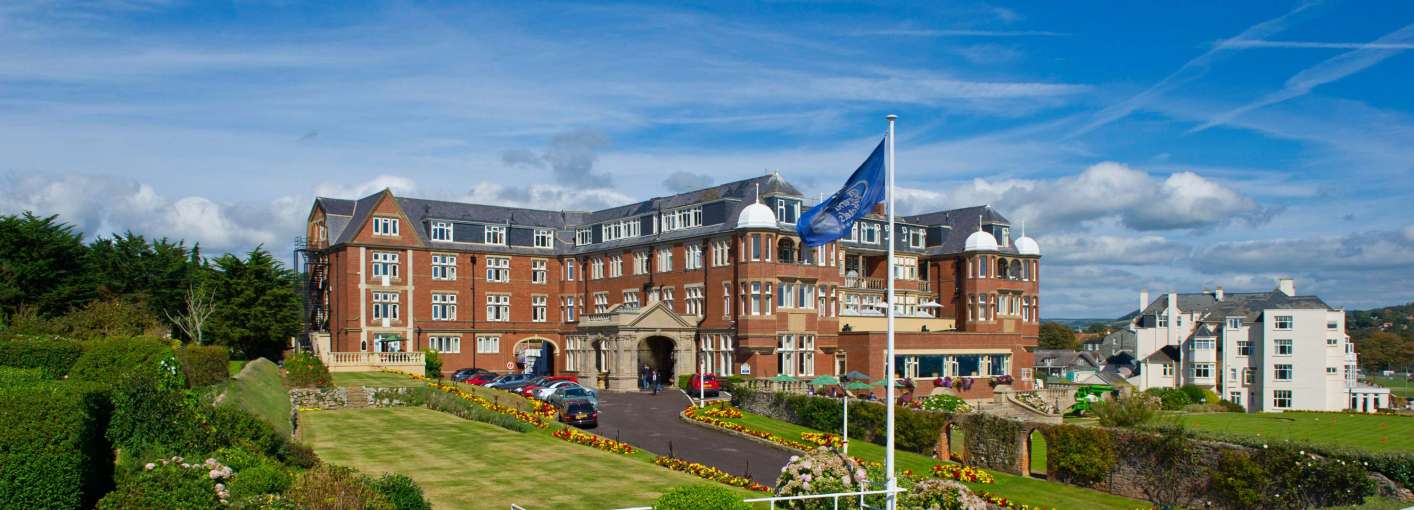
(395, 360)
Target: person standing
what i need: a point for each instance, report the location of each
(653, 380)
(643, 377)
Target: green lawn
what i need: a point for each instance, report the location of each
(467, 464)
(378, 379)
(1367, 431)
(1022, 489)
(1038, 452)
(260, 390)
(234, 366)
(1399, 385)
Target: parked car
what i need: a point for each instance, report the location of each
(462, 374)
(482, 378)
(579, 412)
(708, 384)
(566, 377)
(508, 379)
(567, 393)
(545, 391)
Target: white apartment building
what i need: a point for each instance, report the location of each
(1266, 351)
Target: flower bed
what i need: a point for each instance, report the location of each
(961, 473)
(696, 414)
(1004, 502)
(535, 419)
(709, 473)
(1034, 401)
(586, 439)
(823, 439)
(722, 411)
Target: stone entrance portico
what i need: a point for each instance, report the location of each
(616, 339)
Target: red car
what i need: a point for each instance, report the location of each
(568, 377)
(708, 384)
(482, 378)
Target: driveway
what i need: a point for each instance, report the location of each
(651, 422)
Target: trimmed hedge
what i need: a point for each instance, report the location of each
(10, 376)
(402, 491)
(304, 370)
(1079, 455)
(52, 356)
(700, 497)
(52, 451)
(112, 360)
(204, 365)
(1396, 466)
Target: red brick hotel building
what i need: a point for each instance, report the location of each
(715, 278)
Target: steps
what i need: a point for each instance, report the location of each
(357, 397)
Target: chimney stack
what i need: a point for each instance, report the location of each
(1143, 299)
(1286, 285)
(1218, 294)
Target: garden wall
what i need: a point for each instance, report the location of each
(351, 397)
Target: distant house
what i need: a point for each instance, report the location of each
(1057, 365)
(1108, 346)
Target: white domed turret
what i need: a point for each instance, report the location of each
(980, 241)
(1027, 246)
(756, 215)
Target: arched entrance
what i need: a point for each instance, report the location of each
(656, 352)
(536, 353)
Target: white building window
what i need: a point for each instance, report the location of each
(622, 229)
(1332, 370)
(441, 231)
(601, 302)
(631, 299)
(756, 297)
(444, 307)
(1332, 342)
(444, 267)
(569, 270)
(498, 269)
(383, 226)
(1247, 374)
(616, 266)
(567, 308)
(1281, 372)
(1234, 323)
(906, 268)
(665, 259)
(445, 344)
(539, 271)
(692, 257)
(1284, 346)
(870, 232)
(1244, 348)
(1332, 325)
(721, 253)
(693, 301)
(668, 297)
(1282, 322)
(1168, 370)
(539, 306)
(726, 299)
(683, 218)
(496, 234)
(1204, 344)
(488, 344)
(544, 238)
(640, 262)
(916, 236)
(385, 306)
(596, 268)
(583, 237)
(385, 263)
(1281, 399)
(1203, 370)
(498, 307)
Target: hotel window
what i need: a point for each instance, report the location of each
(1234, 323)
(498, 307)
(822, 302)
(1244, 348)
(916, 236)
(871, 233)
(444, 267)
(601, 302)
(444, 307)
(495, 234)
(538, 308)
(1247, 373)
(981, 266)
(766, 300)
(385, 263)
(755, 298)
(982, 306)
(755, 246)
(668, 298)
(567, 308)
(539, 270)
(853, 232)
(1284, 346)
(785, 355)
(786, 302)
(1163, 320)
(693, 300)
(441, 231)
(1203, 370)
(1204, 344)
(686, 217)
(692, 256)
(631, 299)
(583, 237)
(640, 262)
(385, 226)
(385, 305)
(1283, 322)
(906, 268)
(622, 229)
(1332, 325)
(569, 270)
(1281, 399)
(488, 344)
(1332, 342)
(448, 344)
(1234, 397)
(498, 269)
(665, 259)
(1026, 309)
(544, 238)
(1281, 372)
(596, 268)
(721, 254)
(1168, 370)
(616, 266)
(726, 299)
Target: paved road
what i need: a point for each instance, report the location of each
(651, 422)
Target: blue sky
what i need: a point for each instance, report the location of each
(1167, 147)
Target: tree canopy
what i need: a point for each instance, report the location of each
(1055, 335)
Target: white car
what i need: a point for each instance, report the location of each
(545, 392)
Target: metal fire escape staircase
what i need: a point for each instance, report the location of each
(312, 264)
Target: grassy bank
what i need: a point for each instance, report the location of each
(1367, 431)
(259, 389)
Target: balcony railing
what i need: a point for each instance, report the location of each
(858, 282)
(372, 359)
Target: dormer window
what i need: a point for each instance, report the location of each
(441, 231)
(383, 226)
(544, 238)
(683, 218)
(495, 234)
(787, 211)
(869, 233)
(583, 237)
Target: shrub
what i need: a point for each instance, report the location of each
(699, 497)
(1237, 481)
(229, 425)
(431, 364)
(1080, 455)
(151, 418)
(1172, 399)
(401, 491)
(1126, 411)
(204, 365)
(1231, 407)
(298, 455)
(110, 318)
(52, 451)
(1280, 476)
(116, 359)
(165, 486)
(945, 403)
(822, 471)
(54, 357)
(304, 370)
(459, 407)
(10, 376)
(266, 477)
(935, 494)
(329, 487)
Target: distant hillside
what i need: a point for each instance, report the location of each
(1080, 324)
(1395, 319)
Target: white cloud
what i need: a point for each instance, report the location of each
(1090, 248)
(399, 185)
(545, 197)
(1359, 252)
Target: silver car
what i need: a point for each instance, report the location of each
(576, 391)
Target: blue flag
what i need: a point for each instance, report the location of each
(833, 218)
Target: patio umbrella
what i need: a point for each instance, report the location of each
(824, 380)
(783, 378)
(856, 376)
(885, 382)
(855, 386)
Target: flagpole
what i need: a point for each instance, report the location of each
(892, 497)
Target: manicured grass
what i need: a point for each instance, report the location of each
(260, 390)
(466, 464)
(1366, 431)
(378, 379)
(1038, 452)
(234, 366)
(1398, 384)
(1030, 491)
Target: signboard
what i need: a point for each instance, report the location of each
(745, 369)
(510, 365)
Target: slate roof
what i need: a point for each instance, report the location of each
(1054, 358)
(961, 223)
(1248, 305)
(1166, 354)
